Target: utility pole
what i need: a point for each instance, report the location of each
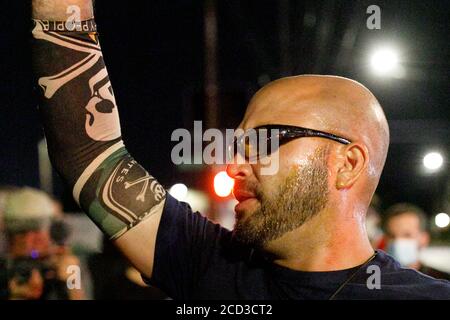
(211, 82)
(284, 35)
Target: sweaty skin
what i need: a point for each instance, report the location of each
(335, 238)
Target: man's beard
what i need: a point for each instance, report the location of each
(302, 195)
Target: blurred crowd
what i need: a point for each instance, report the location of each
(402, 231)
(37, 260)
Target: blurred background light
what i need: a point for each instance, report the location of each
(223, 184)
(433, 161)
(198, 200)
(384, 61)
(179, 191)
(442, 220)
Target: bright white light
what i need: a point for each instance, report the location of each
(384, 61)
(433, 160)
(223, 184)
(179, 191)
(442, 220)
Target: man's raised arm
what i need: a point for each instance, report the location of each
(82, 127)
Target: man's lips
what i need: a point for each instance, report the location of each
(246, 201)
(242, 195)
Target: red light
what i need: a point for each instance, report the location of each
(223, 184)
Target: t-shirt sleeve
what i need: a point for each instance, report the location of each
(185, 243)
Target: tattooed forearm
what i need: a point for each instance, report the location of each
(119, 193)
(81, 122)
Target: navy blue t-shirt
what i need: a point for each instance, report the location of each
(197, 259)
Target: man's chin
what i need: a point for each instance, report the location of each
(246, 208)
(244, 230)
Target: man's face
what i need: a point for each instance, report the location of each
(272, 205)
(31, 243)
(406, 226)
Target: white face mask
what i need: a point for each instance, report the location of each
(406, 251)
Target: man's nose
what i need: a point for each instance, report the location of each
(239, 171)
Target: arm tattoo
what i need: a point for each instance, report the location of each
(81, 123)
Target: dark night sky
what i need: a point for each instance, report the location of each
(154, 51)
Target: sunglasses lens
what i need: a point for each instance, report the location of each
(249, 148)
(245, 146)
(232, 150)
(254, 145)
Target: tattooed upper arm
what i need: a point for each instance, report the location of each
(82, 126)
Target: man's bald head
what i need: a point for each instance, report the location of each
(333, 104)
(320, 193)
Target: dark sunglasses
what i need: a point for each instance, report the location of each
(263, 140)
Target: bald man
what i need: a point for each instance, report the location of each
(299, 232)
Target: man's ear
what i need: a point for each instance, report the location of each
(354, 160)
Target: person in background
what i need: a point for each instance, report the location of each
(36, 265)
(4, 191)
(406, 234)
